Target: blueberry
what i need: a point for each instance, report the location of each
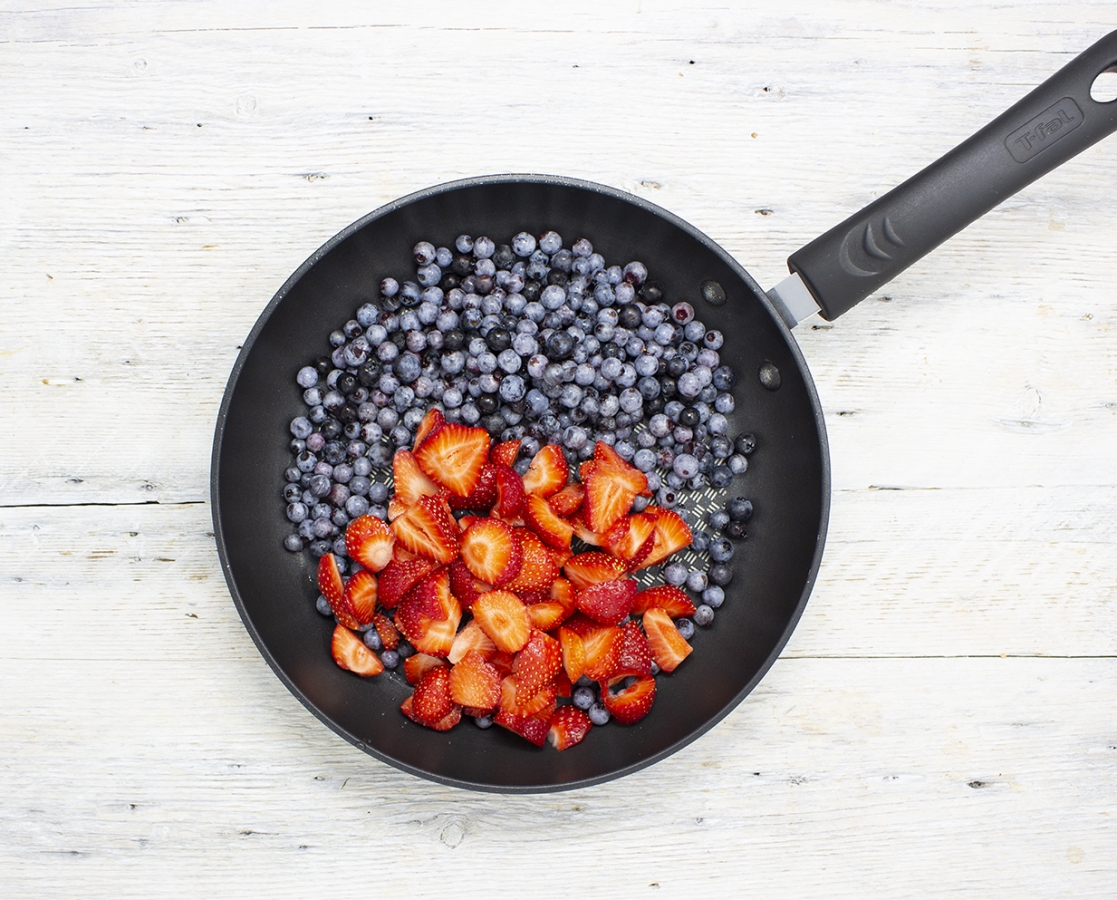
(720, 551)
(704, 615)
(713, 596)
(372, 639)
(293, 542)
(675, 573)
(745, 444)
(390, 659)
(598, 714)
(583, 697)
(697, 581)
(718, 519)
(720, 573)
(686, 628)
(323, 606)
(739, 509)
(736, 530)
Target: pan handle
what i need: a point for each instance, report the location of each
(1056, 121)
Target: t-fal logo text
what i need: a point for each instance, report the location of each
(1044, 130)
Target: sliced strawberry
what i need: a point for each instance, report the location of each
(502, 662)
(417, 665)
(399, 554)
(608, 602)
(672, 600)
(332, 587)
(548, 472)
(360, 595)
(474, 683)
(444, 724)
(587, 468)
(509, 493)
(386, 628)
(517, 701)
(563, 687)
(491, 551)
(400, 576)
(428, 529)
(529, 598)
(529, 727)
(350, 652)
(538, 661)
(429, 615)
(553, 530)
(573, 653)
(562, 591)
(668, 646)
(471, 639)
(568, 726)
(582, 530)
(671, 535)
(547, 614)
(602, 648)
(629, 704)
(629, 537)
(409, 481)
(561, 556)
(635, 656)
(369, 540)
(593, 567)
(609, 496)
(569, 500)
(483, 496)
(431, 700)
(503, 618)
(607, 457)
(538, 569)
(431, 422)
(464, 585)
(505, 454)
(453, 455)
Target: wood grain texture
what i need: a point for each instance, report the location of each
(941, 722)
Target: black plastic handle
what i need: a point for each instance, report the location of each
(1054, 122)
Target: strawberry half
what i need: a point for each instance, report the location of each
(333, 589)
(668, 646)
(431, 700)
(672, 600)
(593, 567)
(471, 639)
(428, 529)
(444, 724)
(611, 487)
(491, 552)
(569, 500)
(510, 494)
(409, 482)
(537, 662)
(538, 570)
(548, 472)
(608, 602)
(602, 648)
(553, 530)
(417, 665)
(573, 653)
(503, 618)
(369, 540)
(505, 454)
(429, 615)
(431, 422)
(350, 652)
(634, 656)
(631, 538)
(453, 456)
(546, 615)
(474, 683)
(400, 576)
(360, 595)
(568, 726)
(671, 535)
(519, 702)
(483, 496)
(386, 628)
(629, 704)
(528, 727)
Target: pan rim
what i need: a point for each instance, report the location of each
(557, 181)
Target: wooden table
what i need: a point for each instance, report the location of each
(942, 721)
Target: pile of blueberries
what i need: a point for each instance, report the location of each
(534, 342)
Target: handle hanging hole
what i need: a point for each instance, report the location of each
(1104, 88)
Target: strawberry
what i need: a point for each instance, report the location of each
(350, 652)
(668, 647)
(463, 585)
(586, 469)
(416, 666)
(611, 487)
(569, 500)
(545, 522)
(502, 662)
(563, 687)
(538, 570)
(546, 615)
(333, 589)
(671, 535)
(629, 704)
(431, 699)
(529, 727)
(602, 648)
(429, 615)
(386, 628)
(568, 726)
(428, 529)
(483, 496)
(399, 576)
(672, 600)
(607, 457)
(444, 724)
(548, 472)
(562, 591)
(593, 567)
(431, 422)
(453, 456)
(399, 554)
(517, 701)
(503, 618)
(510, 495)
(410, 482)
(360, 595)
(629, 537)
(537, 662)
(505, 454)
(491, 552)
(471, 639)
(474, 683)
(369, 540)
(582, 530)
(635, 656)
(608, 602)
(573, 653)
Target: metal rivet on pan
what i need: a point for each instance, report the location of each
(713, 293)
(770, 376)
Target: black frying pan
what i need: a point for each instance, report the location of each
(789, 480)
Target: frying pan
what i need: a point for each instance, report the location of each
(788, 481)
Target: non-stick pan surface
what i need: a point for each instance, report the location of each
(788, 480)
